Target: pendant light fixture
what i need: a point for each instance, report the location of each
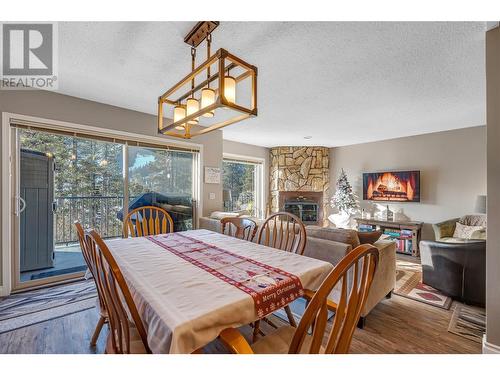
(193, 112)
(192, 104)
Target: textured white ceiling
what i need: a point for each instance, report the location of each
(339, 82)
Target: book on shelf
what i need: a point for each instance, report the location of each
(402, 238)
(365, 228)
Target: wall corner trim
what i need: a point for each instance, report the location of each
(489, 348)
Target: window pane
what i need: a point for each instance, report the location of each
(239, 187)
(162, 178)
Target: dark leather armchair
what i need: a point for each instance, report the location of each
(456, 269)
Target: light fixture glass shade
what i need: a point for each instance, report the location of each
(192, 106)
(230, 89)
(179, 114)
(207, 98)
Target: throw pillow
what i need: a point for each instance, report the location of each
(466, 231)
(369, 237)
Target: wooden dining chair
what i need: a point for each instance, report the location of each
(147, 221)
(353, 276)
(283, 231)
(126, 335)
(287, 232)
(241, 228)
(103, 314)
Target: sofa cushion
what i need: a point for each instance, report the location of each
(221, 214)
(466, 231)
(479, 234)
(347, 236)
(452, 240)
(369, 237)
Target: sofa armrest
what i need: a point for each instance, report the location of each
(456, 269)
(326, 250)
(444, 228)
(210, 224)
(384, 279)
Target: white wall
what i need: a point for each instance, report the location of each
(493, 243)
(452, 168)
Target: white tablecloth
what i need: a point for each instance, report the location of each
(184, 307)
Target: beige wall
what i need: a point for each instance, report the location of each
(251, 151)
(54, 106)
(452, 166)
(493, 244)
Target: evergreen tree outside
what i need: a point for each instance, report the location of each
(88, 178)
(344, 199)
(239, 178)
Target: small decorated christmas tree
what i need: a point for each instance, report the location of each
(344, 199)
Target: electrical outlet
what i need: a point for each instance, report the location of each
(211, 196)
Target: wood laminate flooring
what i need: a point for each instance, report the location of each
(396, 325)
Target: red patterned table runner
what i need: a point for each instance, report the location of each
(271, 288)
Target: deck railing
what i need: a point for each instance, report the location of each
(92, 212)
(95, 212)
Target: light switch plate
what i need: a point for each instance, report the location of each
(211, 196)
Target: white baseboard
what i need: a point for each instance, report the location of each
(489, 348)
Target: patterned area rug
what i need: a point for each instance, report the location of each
(27, 308)
(409, 285)
(468, 322)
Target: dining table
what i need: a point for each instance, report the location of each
(190, 286)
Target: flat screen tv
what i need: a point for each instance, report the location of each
(392, 186)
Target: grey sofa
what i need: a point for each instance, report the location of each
(331, 245)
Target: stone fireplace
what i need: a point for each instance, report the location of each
(299, 177)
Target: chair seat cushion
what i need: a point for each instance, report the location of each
(278, 342)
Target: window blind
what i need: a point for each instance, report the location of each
(39, 126)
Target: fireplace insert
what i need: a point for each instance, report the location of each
(304, 209)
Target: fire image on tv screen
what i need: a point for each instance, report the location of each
(392, 186)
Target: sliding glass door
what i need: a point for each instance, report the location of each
(63, 179)
(60, 178)
(162, 178)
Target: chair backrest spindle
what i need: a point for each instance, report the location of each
(283, 231)
(147, 221)
(351, 301)
(242, 228)
(116, 295)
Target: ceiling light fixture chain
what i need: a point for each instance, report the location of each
(193, 63)
(209, 44)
